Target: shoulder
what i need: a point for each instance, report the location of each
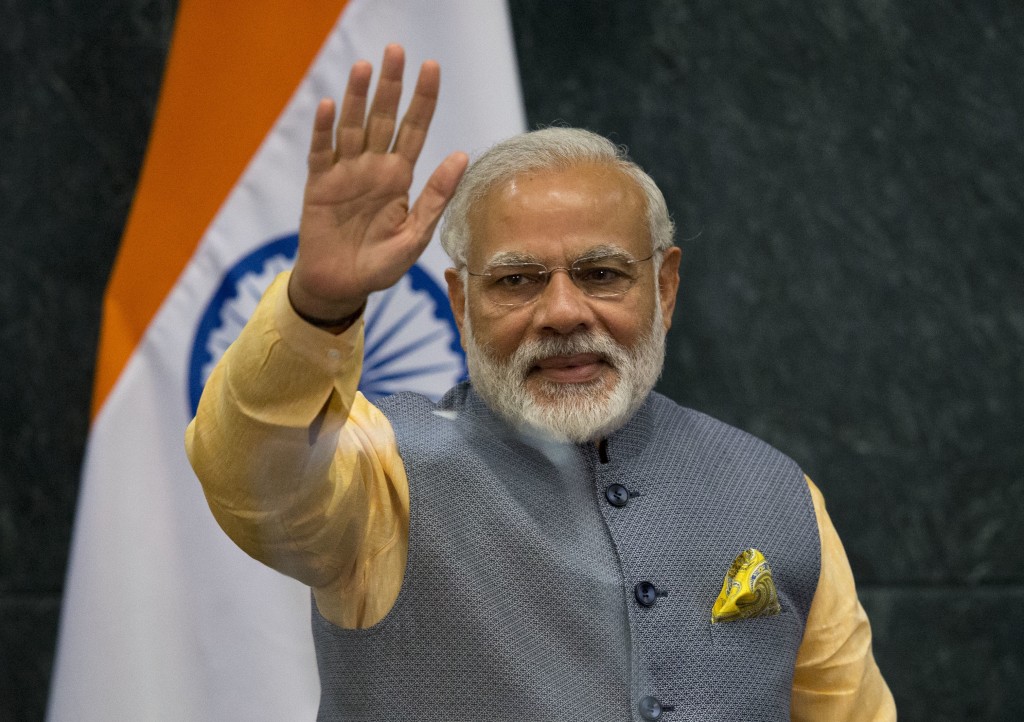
(411, 403)
(417, 417)
(699, 431)
(404, 403)
(718, 457)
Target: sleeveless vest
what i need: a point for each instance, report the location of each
(551, 582)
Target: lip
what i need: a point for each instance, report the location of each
(575, 369)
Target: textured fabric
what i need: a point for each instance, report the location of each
(518, 600)
(305, 475)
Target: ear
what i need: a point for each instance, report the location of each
(456, 296)
(668, 283)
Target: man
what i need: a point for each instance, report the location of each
(553, 541)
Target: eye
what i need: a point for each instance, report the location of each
(514, 277)
(601, 275)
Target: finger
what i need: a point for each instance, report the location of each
(440, 187)
(380, 126)
(413, 131)
(321, 145)
(350, 134)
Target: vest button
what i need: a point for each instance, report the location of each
(646, 595)
(650, 708)
(617, 495)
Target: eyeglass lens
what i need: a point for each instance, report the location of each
(516, 284)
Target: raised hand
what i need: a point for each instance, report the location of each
(358, 233)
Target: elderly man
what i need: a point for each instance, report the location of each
(553, 540)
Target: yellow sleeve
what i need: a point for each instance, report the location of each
(836, 677)
(298, 468)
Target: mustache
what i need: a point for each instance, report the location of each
(584, 342)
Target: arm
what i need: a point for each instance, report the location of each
(298, 468)
(836, 677)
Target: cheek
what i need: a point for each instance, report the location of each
(629, 323)
(626, 333)
(500, 331)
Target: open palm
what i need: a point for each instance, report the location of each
(358, 233)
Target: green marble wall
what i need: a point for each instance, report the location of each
(78, 83)
(848, 180)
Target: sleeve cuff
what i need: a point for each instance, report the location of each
(282, 370)
(331, 353)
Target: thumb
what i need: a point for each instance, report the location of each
(440, 188)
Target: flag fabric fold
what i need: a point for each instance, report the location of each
(163, 617)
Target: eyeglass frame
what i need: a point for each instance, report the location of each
(548, 272)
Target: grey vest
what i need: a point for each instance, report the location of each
(538, 590)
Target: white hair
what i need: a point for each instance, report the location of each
(547, 149)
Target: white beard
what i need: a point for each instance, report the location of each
(564, 412)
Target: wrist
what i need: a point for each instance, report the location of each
(326, 321)
(324, 316)
(334, 325)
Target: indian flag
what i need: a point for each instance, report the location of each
(164, 618)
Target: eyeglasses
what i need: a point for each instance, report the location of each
(516, 284)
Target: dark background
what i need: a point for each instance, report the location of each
(848, 181)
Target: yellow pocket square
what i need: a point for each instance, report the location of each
(748, 590)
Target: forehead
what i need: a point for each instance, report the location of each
(558, 215)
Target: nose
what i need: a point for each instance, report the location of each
(562, 307)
